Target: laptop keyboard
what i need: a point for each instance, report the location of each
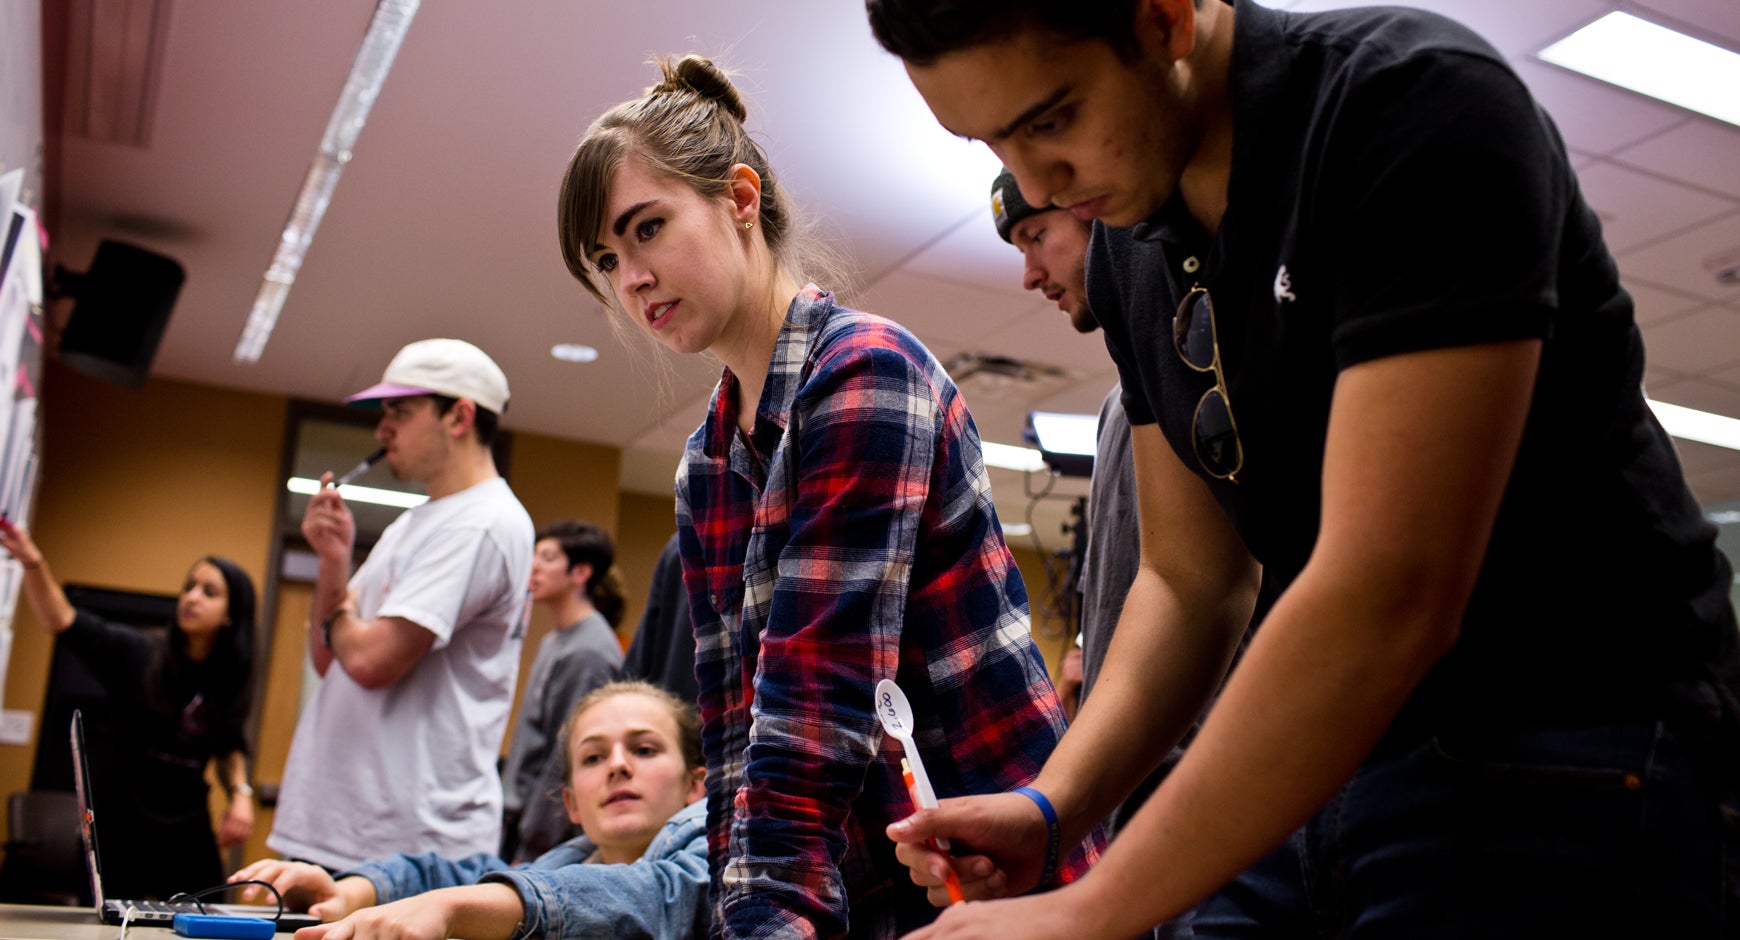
(158, 910)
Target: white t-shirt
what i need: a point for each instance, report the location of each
(411, 768)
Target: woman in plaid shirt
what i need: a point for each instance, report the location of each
(836, 532)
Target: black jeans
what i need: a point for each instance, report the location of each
(1623, 830)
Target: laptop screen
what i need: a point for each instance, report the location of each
(87, 817)
(286, 921)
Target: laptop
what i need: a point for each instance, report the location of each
(148, 913)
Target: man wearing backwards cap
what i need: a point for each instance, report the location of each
(1054, 245)
(418, 654)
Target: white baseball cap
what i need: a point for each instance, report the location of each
(451, 367)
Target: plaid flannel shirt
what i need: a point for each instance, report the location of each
(850, 538)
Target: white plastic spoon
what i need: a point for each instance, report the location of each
(896, 714)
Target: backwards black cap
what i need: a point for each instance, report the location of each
(1007, 206)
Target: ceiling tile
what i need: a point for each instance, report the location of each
(1717, 480)
(1637, 208)
(1657, 380)
(949, 310)
(1713, 397)
(1046, 335)
(670, 432)
(1687, 260)
(1702, 151)
(1702, 341)
(1514, 29)
(1699, 458)
(1582, 160)
(971, 253)
(1728, 376)
(1654, 303)
(1085, 398)
(1594, 116)
(1713, 20)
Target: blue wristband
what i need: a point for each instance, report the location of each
(1053, 834)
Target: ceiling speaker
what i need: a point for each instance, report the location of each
(123, 305)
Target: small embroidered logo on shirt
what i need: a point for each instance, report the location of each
(1283, 285)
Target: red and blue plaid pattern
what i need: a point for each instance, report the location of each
(851, 538)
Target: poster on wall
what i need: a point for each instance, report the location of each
(20, 378)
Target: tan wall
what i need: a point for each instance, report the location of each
(134, 485)
(1050, 632)
(646, 523)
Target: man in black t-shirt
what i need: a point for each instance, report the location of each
(1371, 345)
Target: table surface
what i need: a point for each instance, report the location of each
(33, 922)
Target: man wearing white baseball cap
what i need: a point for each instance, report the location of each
(395, 751)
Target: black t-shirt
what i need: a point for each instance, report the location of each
(167, 727)
(1394, 188)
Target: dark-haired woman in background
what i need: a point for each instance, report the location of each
(179, 700)
(574, 576)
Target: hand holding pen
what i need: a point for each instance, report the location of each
(327, 522)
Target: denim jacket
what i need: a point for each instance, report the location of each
(660, 897)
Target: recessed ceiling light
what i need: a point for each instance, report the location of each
(1656, 61)
(573, 352)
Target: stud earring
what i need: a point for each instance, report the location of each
(749, 225)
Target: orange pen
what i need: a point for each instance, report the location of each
(952, 884)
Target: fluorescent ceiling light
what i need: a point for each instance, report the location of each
(361, 494)
(1656, 61)
(1062, 433)
(1700, 426)
(1016, 530)
(1067, 442)
(368, 71)
(1010, 457)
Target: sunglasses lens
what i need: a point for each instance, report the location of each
(1217, 442)
(1193, 331)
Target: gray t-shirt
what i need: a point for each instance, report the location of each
(1114, 543)
(411, 768)
(1114, 553)
(571, 662)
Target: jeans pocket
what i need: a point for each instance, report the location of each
(1595, 757)
(1614, 829)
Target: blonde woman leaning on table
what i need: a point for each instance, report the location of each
(178, 698)
(632, 780)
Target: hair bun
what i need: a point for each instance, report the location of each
(698, 74)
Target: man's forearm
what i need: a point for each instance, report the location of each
(331, 593)
(1318, 686)
(331, 587)
(1159, 673)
